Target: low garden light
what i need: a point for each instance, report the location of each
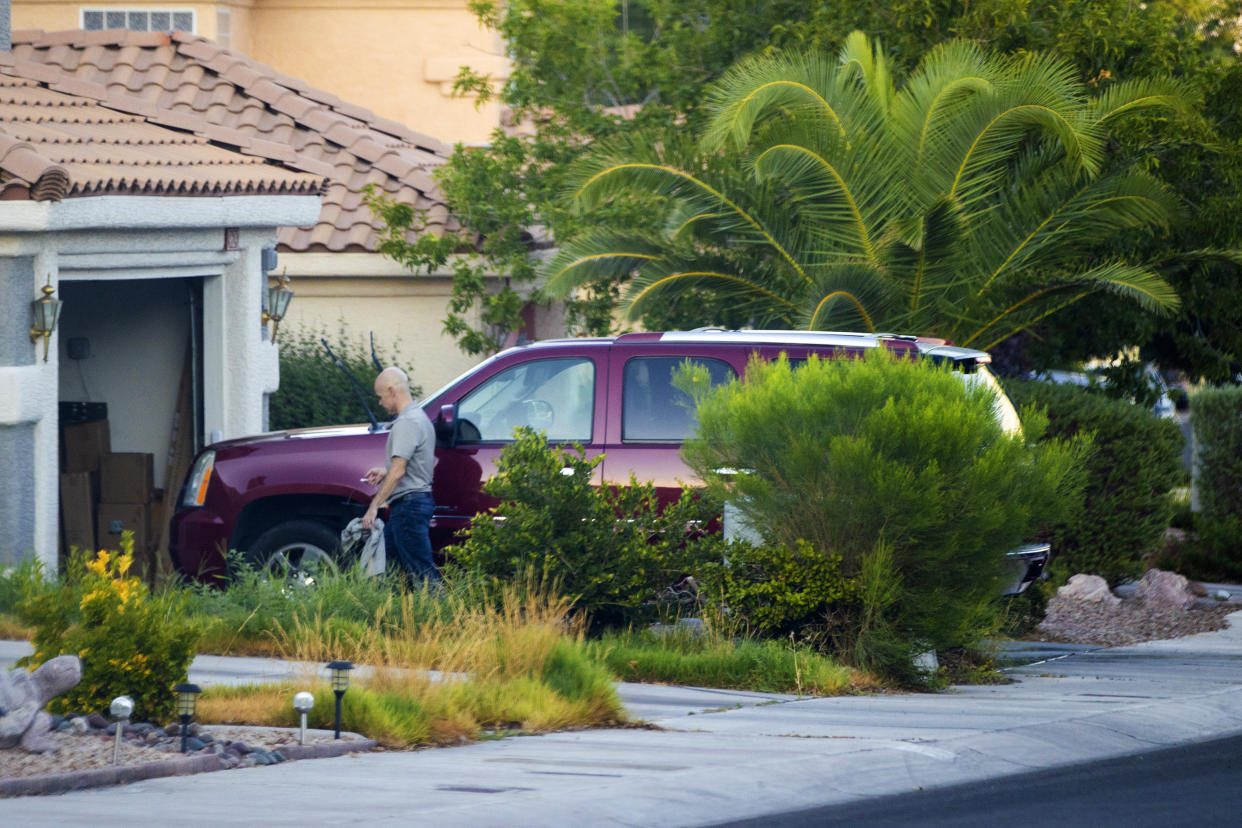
(122, 708)
(340, 683)
(187, 698)
(303, 702)
(46, 311)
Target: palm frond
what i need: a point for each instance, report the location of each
(1130, 96)
(1137, 283)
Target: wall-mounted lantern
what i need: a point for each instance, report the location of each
(46, 312)
(278, 297)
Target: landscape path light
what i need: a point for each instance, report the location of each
(340, 683)
(303, 702)
(122, 708)
(187, 698)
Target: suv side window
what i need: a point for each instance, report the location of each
(653, 409)
(555, 396)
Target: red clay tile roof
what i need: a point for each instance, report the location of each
(55, 145)
(189, 83)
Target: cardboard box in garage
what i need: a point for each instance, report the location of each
(77, 511)
(85, 445)
(115, 518)
(126, 477)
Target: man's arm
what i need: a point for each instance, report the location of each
(395, 471)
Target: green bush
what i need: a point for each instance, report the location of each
(1217, 417)
(899, 470)
(130, 642)
(313, 391)
(613, 550)
(1129, 476)
(777, 591)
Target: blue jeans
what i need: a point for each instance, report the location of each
(406, 538)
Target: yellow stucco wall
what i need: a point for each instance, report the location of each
(406, 314)
(396, 57)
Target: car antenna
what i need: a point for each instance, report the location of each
(354, 383)
(374, 358)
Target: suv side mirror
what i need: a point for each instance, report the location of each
(448, 429)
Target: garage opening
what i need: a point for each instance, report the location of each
(131, 409)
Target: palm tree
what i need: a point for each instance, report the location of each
(969, 203)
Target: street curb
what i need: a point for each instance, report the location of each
(57, 783)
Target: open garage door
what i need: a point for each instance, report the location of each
(131, 408)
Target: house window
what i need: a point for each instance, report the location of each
(224, 28)
(138, 20)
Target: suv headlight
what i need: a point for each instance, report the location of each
(200, 476)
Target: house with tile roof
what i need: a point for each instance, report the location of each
(337, 276)
(397, 58)
(150, 227)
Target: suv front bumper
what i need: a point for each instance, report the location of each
(1025, 564)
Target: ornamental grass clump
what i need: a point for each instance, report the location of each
(130, 642)
(897, 476)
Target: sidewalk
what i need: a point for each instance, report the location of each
(706, 767)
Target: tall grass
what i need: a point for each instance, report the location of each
(717, 659)
(527, 664)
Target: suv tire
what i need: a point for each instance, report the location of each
(296, 550)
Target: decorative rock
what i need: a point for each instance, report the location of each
(240, 748)
(22, 697)
(204, 737)
(193, 743)
(78, 725)
(97, 721)
(1164, 590)
(65, 725)
(173, 729)
(1221, 595)
(1088, 589)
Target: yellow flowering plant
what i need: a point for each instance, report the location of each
(130, 642)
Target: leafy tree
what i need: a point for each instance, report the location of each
(966, 204)
(579, 66)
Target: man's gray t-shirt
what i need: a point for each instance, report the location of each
(413, 437)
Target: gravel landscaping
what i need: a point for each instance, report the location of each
(91, 748)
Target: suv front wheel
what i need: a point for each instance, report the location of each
(297, 550)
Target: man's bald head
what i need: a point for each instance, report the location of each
(392, 386)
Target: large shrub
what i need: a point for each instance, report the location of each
(130, 642)
(899, 470)
(313, 391)
(1135, 463)
(613, 550)
(1217, 417)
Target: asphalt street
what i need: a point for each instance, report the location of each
(1191, 785)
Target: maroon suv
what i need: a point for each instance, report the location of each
(283, 498)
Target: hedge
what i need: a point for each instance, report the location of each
(1216, 414)
(1135, 464)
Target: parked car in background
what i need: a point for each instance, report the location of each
(1095, 376)
(283, 498)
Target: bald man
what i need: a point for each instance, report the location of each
(405, 484)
